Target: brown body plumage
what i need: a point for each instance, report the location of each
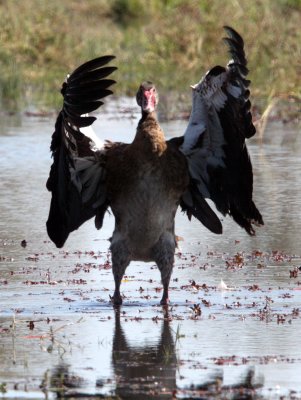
(145, 181)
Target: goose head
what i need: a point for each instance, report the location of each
(147, 97)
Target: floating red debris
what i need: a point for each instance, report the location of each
(206, 303)
(280, 319)
(196, 309)
(77, 281)
(32, 258)
(295, 312)
(253, 288)
(236, 261)
(294, 272)
(257, 253)
(194, 285)
(286, 296)
(225, 360)
(68, 299)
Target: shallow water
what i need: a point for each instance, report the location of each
(60, 334)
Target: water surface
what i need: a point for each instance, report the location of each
(59, 332)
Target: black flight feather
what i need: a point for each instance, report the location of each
(82, 93)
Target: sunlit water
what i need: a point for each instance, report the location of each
(59, 332)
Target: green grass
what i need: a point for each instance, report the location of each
(172, 42)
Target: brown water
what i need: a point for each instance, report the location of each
(60, 334)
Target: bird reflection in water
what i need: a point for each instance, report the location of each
(144, 372)
(149, 372)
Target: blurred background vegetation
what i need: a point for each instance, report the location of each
(172, 42)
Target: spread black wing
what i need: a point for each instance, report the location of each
(77, 175)
(214, 144)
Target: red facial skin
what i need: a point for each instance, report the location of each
(149, 100)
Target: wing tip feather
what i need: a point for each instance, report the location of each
(234, 35)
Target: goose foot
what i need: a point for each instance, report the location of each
(116, 299)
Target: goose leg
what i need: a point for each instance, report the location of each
(120, 261)
(165, 298)
(164, 251)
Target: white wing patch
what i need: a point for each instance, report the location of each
(97, 144)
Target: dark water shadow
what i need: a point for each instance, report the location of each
(147, 372)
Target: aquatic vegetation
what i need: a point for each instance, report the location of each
(171, 42)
